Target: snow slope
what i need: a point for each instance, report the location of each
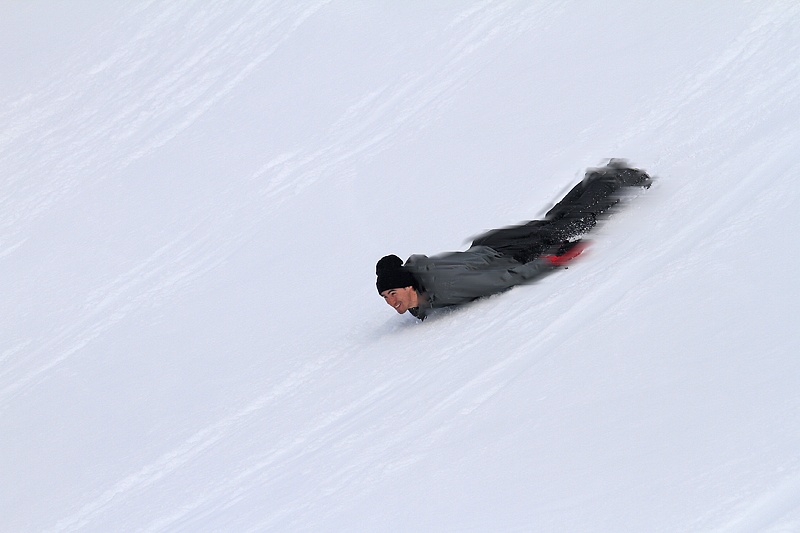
(194, 195)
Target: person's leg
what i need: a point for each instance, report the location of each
(579, 211)
(576, 214)
(519, 242)
(597, 193)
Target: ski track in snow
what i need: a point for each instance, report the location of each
(171, 103)
(140, 111)
(769, 511)
(368, 127)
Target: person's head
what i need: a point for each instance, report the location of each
(396, 284)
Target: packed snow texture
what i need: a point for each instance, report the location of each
(194, 195)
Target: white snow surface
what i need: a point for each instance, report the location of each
(194, 195)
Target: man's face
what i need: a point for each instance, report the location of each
(401, 299)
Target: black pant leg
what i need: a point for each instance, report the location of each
(576, 214)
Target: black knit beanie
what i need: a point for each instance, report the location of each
(392, 274)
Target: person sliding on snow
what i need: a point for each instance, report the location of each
(503, 258)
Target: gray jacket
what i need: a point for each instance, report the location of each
(456, 278)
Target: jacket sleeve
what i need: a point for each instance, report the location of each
(460, 277)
